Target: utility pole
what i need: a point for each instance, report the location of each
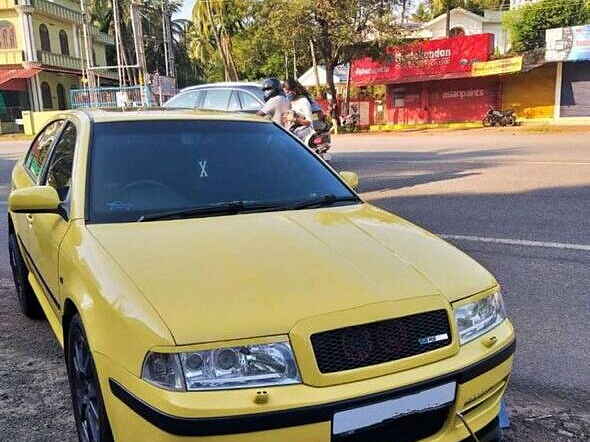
(294, 63)
(91, 81)
(118, 43)
(286, 66)
(167, 40)
(137, 27)
(448, 23)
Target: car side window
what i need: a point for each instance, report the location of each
(59, 171)
(234, 102)
(38, 153)
(216, 99)
(187, 100)
(249, 103)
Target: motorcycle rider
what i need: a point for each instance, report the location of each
(276, 104)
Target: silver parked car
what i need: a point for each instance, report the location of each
(232, 97)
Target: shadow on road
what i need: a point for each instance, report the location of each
(384, 171)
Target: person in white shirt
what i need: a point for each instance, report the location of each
(276, 104)
(300, 101)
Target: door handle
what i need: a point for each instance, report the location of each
(30, 219)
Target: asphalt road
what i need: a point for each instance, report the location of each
(502, 184)
(532, 189)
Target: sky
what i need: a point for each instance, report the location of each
(186, 10)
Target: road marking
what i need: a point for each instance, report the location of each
(519, 242)
(486, 161)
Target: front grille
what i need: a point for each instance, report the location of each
(408, 428)
(384, 341)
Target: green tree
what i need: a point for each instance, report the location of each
(527, 25)
(342, 30)
(423, 13)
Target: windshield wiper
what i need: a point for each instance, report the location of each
(223, 208)
(321, 201)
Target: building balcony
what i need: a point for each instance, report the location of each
(59, 60)
(11, 56)
(60, 12)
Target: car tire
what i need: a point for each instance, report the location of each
(90, 415)
(27, 300)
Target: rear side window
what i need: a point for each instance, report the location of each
(59, 171)
(216, 99)
(37, 155)
(249, 103)
(187, 100)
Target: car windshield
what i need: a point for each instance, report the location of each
(143, 170)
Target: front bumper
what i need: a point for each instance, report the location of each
(480, 386)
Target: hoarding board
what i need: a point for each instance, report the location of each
(422, 61)
(496, 67)
(568, 44)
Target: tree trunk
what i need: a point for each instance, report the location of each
(448, 24)
(332, 88)
(232, 72)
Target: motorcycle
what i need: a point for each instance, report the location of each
(499, 118)
(318, 140)
(351, 122)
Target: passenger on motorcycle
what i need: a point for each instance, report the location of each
(276, 104)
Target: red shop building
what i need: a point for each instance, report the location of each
(431, 81)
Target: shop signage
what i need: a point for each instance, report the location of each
(495, 67)
(428, 60)
(568, 44)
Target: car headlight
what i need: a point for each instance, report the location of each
(479, 317)
(223, 368)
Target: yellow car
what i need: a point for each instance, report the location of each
(211, 279)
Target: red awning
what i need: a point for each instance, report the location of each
(14, 79)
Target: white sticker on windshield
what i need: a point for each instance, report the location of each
(203, 165)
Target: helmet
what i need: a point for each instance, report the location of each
(271, 88)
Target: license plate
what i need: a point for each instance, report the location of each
(369, 415)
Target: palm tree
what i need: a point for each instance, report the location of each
(215, 23)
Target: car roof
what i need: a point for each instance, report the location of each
(227, 84)
(112, 115)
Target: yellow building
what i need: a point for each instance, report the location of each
(42, 55)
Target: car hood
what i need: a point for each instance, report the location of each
(250, 275)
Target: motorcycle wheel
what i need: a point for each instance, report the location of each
(510, 121)
(487, 122)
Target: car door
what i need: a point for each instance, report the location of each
(28, 173)
(50, 229)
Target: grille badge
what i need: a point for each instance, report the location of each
(431, 339)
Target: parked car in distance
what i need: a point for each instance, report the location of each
(231, 96)
(211, 279)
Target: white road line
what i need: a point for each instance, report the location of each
(519, 242)
(486, 161)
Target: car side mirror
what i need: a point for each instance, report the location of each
(35, 199)
(351, 178)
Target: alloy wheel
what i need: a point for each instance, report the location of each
(85, 390)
